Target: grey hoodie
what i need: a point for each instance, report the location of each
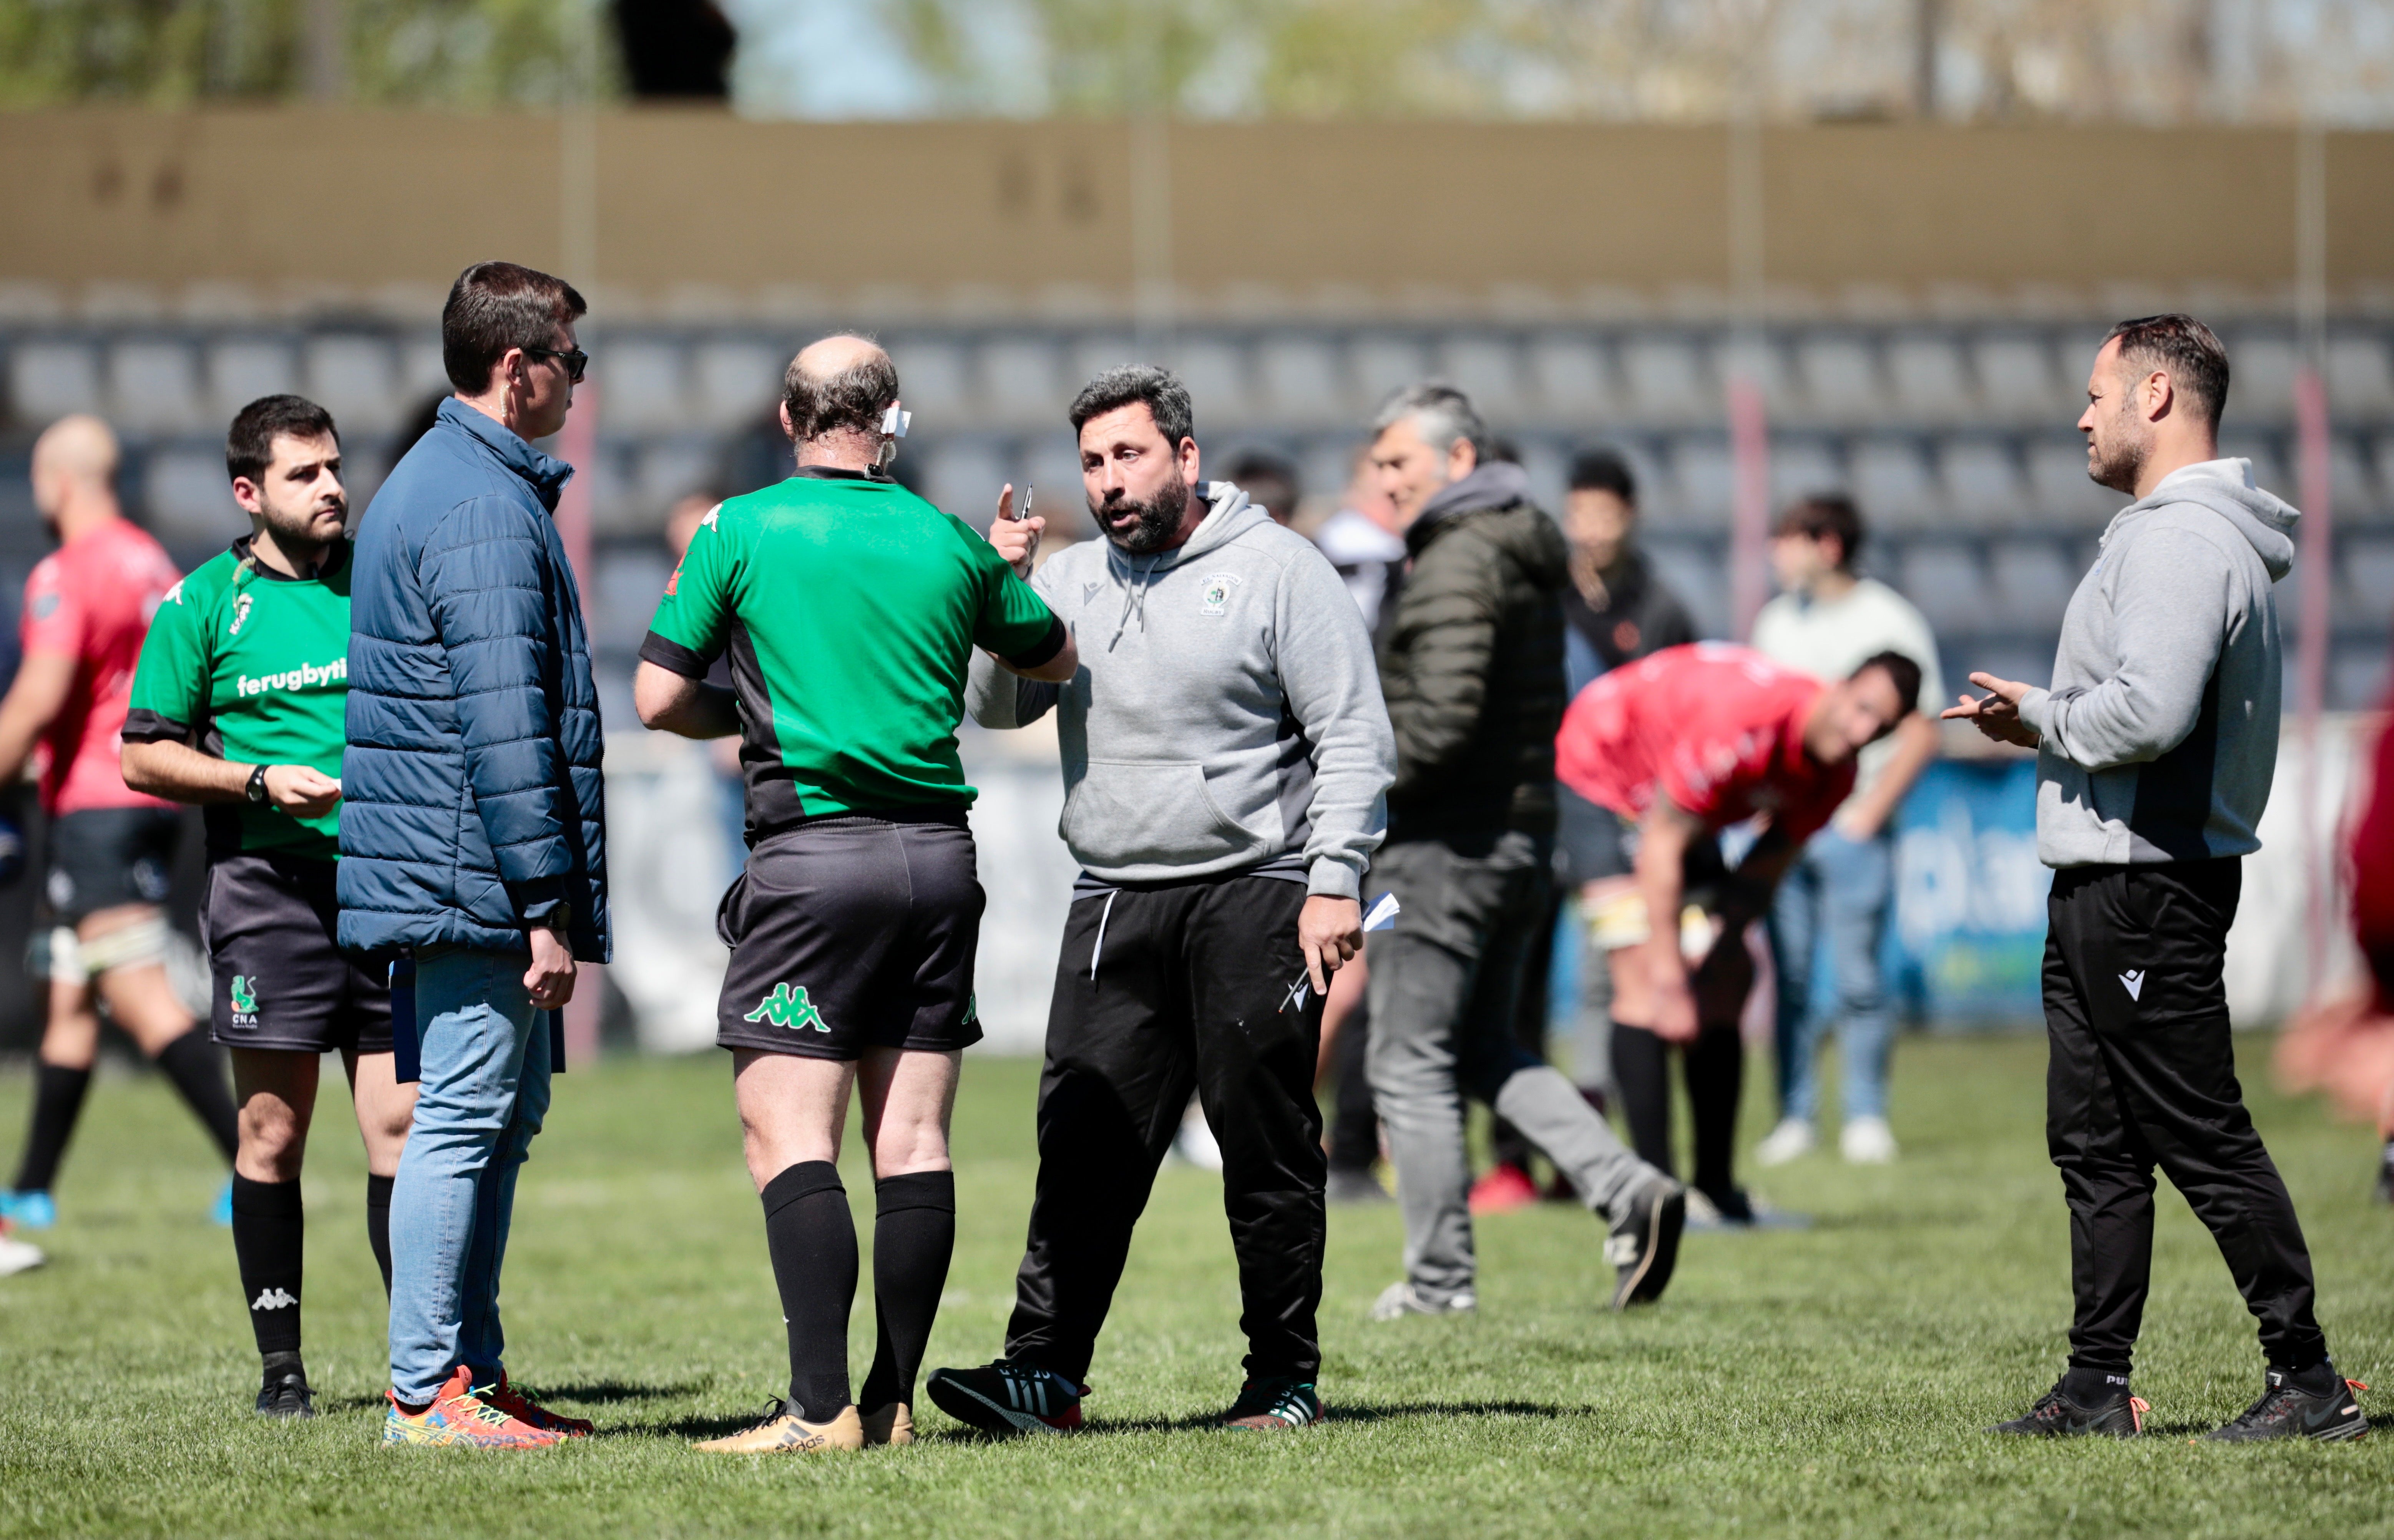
(1227, 714)
(2161, 730)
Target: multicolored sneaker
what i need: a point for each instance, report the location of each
(1276, 1405)
(17, 1255)
(1010, 1398)
(221, 1212)
(29, 1210)
(782, 1431)
(2055, 1415)
(457, 1418)
(519, 1406)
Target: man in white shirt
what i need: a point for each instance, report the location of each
(1826, 621)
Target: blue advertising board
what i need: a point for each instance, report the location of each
(1967, 941)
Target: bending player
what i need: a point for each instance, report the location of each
(239, 705)
(1661, 756)
(851, 609)
(111, 847)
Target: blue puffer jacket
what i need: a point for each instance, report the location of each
(472, 801)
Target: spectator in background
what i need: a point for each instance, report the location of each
(1825, 621)
(1270, 483)
(1471, 663)
(1365, 542)
(1614, 612)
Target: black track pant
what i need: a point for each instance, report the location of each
(2143, 1073)
(1189, 987)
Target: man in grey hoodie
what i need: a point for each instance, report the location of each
(1226, 759)
(2155, 747)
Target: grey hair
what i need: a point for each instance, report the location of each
(1445, 416)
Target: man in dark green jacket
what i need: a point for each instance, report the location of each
(1471, 663)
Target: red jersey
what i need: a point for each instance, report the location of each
(1719, 728)
(92, 599)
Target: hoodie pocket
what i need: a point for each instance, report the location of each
(1127, 813)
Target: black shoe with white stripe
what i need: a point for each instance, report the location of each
(1006, 1397)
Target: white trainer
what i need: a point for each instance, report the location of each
(1867, 1141)
(1791, 1140)
(17, 1255)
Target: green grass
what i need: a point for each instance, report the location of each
(1832, 1381)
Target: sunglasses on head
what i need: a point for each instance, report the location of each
(575, 362)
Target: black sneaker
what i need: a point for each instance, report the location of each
(1004, 1397)
(285, 1394)
(1275, 1405)
(2288, 1410)
(1644, 1244)
(2055, 1415)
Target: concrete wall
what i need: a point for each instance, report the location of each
(699, 213)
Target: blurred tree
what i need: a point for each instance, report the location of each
(2141, 60)
(455, 53)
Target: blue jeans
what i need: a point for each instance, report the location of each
(1839, 887)
(485, 1089)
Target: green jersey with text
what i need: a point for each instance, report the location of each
(850, 608)
(253, 666)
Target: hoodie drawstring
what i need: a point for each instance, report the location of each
(1134, 599)
(1103, 915)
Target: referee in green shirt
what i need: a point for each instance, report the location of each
(850, 609)
(238, 706)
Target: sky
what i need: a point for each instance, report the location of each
(821, 59)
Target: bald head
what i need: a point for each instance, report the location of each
(839, 387)
(75, 463)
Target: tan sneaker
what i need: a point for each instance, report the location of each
(782, 1431)
(893, 1424)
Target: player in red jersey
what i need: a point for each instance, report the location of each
(87, 606)
(1656, 759)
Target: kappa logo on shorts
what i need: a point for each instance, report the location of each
(244, 995)
(785, 1007)
(972, 1009)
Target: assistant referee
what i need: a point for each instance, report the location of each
(850, 608)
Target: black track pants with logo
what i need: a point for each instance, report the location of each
(1157, 990)
(2143, 1073)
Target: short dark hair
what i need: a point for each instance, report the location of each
(1446, 412)
(1604, 470)
(493, 307)
(249, 447)
(2189, 351)
(1158, 388)
(854, 399)
(1901, 672)
(1825, 514)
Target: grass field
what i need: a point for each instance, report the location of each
(1832, 1381)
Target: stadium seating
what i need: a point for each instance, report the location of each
(1956, 437)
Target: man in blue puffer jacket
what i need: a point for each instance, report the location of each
(473, 834)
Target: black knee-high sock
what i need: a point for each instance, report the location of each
(914, 1236)
(813, 1240)
(378, 1226)
(58, 1102)
(1715, 1079)
(196, 1066)
(269, 1237)
(1641, 1067)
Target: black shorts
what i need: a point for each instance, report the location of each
(104, 858)
(853, 932)
(1597, 843)
(281, 981)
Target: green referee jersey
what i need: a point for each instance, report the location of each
(850, 608)
(257, 665)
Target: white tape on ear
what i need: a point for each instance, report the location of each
(894, 422)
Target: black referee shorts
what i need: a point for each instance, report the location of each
(280, 980)
(852, 932)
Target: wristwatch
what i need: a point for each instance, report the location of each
(257, 788)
